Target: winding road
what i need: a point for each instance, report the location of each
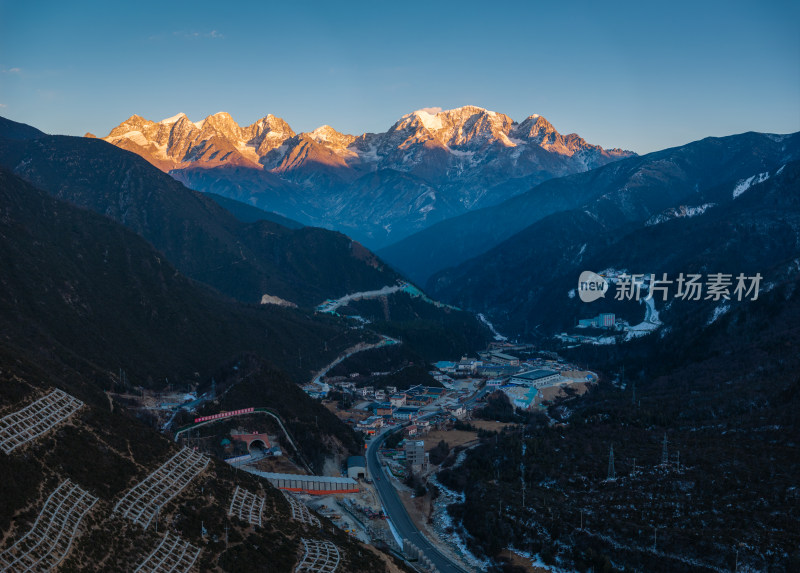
(397, 512)
(360, 347)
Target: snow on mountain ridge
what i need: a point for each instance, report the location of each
(473, 156)
(172, 119)
(465, 128)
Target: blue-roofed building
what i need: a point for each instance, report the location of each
(520, 396)
(406, 413)
(444, 366)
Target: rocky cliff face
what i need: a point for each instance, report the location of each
(177, 142)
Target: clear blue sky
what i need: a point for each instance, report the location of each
(639, 75)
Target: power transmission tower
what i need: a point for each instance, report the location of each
(664, 452)
(522, 471)
(611, 473)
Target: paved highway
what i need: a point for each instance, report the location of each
(397, 512)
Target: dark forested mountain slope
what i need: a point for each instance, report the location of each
(247, 213)
(203, 240)
(527, 282)
(629, 190)
(726, 400)
(79, 285)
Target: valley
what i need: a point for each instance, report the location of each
(448, 340)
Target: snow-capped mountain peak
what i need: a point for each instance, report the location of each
(173, 119)
(429, 164)
(328, 136)
(467, 135)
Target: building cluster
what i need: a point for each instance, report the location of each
(388, 409)
(522, 379)
(421, 408)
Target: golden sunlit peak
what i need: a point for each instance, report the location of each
(173, 119)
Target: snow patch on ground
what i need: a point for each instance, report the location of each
(321, 133)
(396, 535)
(536, 561)
(718, 311)
(650, 324)
(444, 523)
(497, 336)
(678, 212)
(370, 155)
(745, 184)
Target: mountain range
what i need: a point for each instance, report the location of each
(109, 263)
(376, 187)
(630, 189)
(244, 260)
(717, 205)
(245, 254)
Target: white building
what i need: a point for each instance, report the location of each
(501, 358)
(356, 467)
(536, 378)
(469, 365)
(458, 411)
